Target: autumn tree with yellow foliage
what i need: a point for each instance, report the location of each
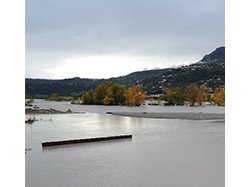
(202, 94)
(218, 96)
(135, 95)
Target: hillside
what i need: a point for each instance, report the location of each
(218, 55)
(71, 86)
(210, 71)
(211, 74)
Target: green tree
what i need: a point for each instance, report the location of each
(117, 93)
(110, 94)
(89, 97)
(174, 96)
(100, 93)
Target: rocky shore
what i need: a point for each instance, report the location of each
(178, 115)
(45, 111)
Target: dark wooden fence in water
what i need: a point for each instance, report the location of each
(87, 140)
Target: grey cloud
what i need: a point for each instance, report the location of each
(148, 27)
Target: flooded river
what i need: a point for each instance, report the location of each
(162, 152)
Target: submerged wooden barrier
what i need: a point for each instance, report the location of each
(87, 140)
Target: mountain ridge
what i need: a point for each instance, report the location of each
(210, 70)
(218, 55)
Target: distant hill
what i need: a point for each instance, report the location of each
(72, 86)
(217, 55)
(210, 70)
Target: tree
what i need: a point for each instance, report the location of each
(195, 94)
(174, 96)
(202, 94)
(106, 100)
(89, 97)
(191, 94)
(135, 95)
(100, 93)
(117, 94)
(219, 96)
(110, 94)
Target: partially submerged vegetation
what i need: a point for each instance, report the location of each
(68, 110)
(46, 111)
(52, 97)
(27, 149)
(31, 120)
(117, 94)
(112, 94)
(29, 102)
(57, 97)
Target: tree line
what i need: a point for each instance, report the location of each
(193, 94)
(116, 94)
(113, 94)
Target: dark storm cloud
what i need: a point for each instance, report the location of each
(135, 27)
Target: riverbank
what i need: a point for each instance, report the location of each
(47, 111)
(63, 106)
(179, 115)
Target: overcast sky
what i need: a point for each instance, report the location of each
(109, 38)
